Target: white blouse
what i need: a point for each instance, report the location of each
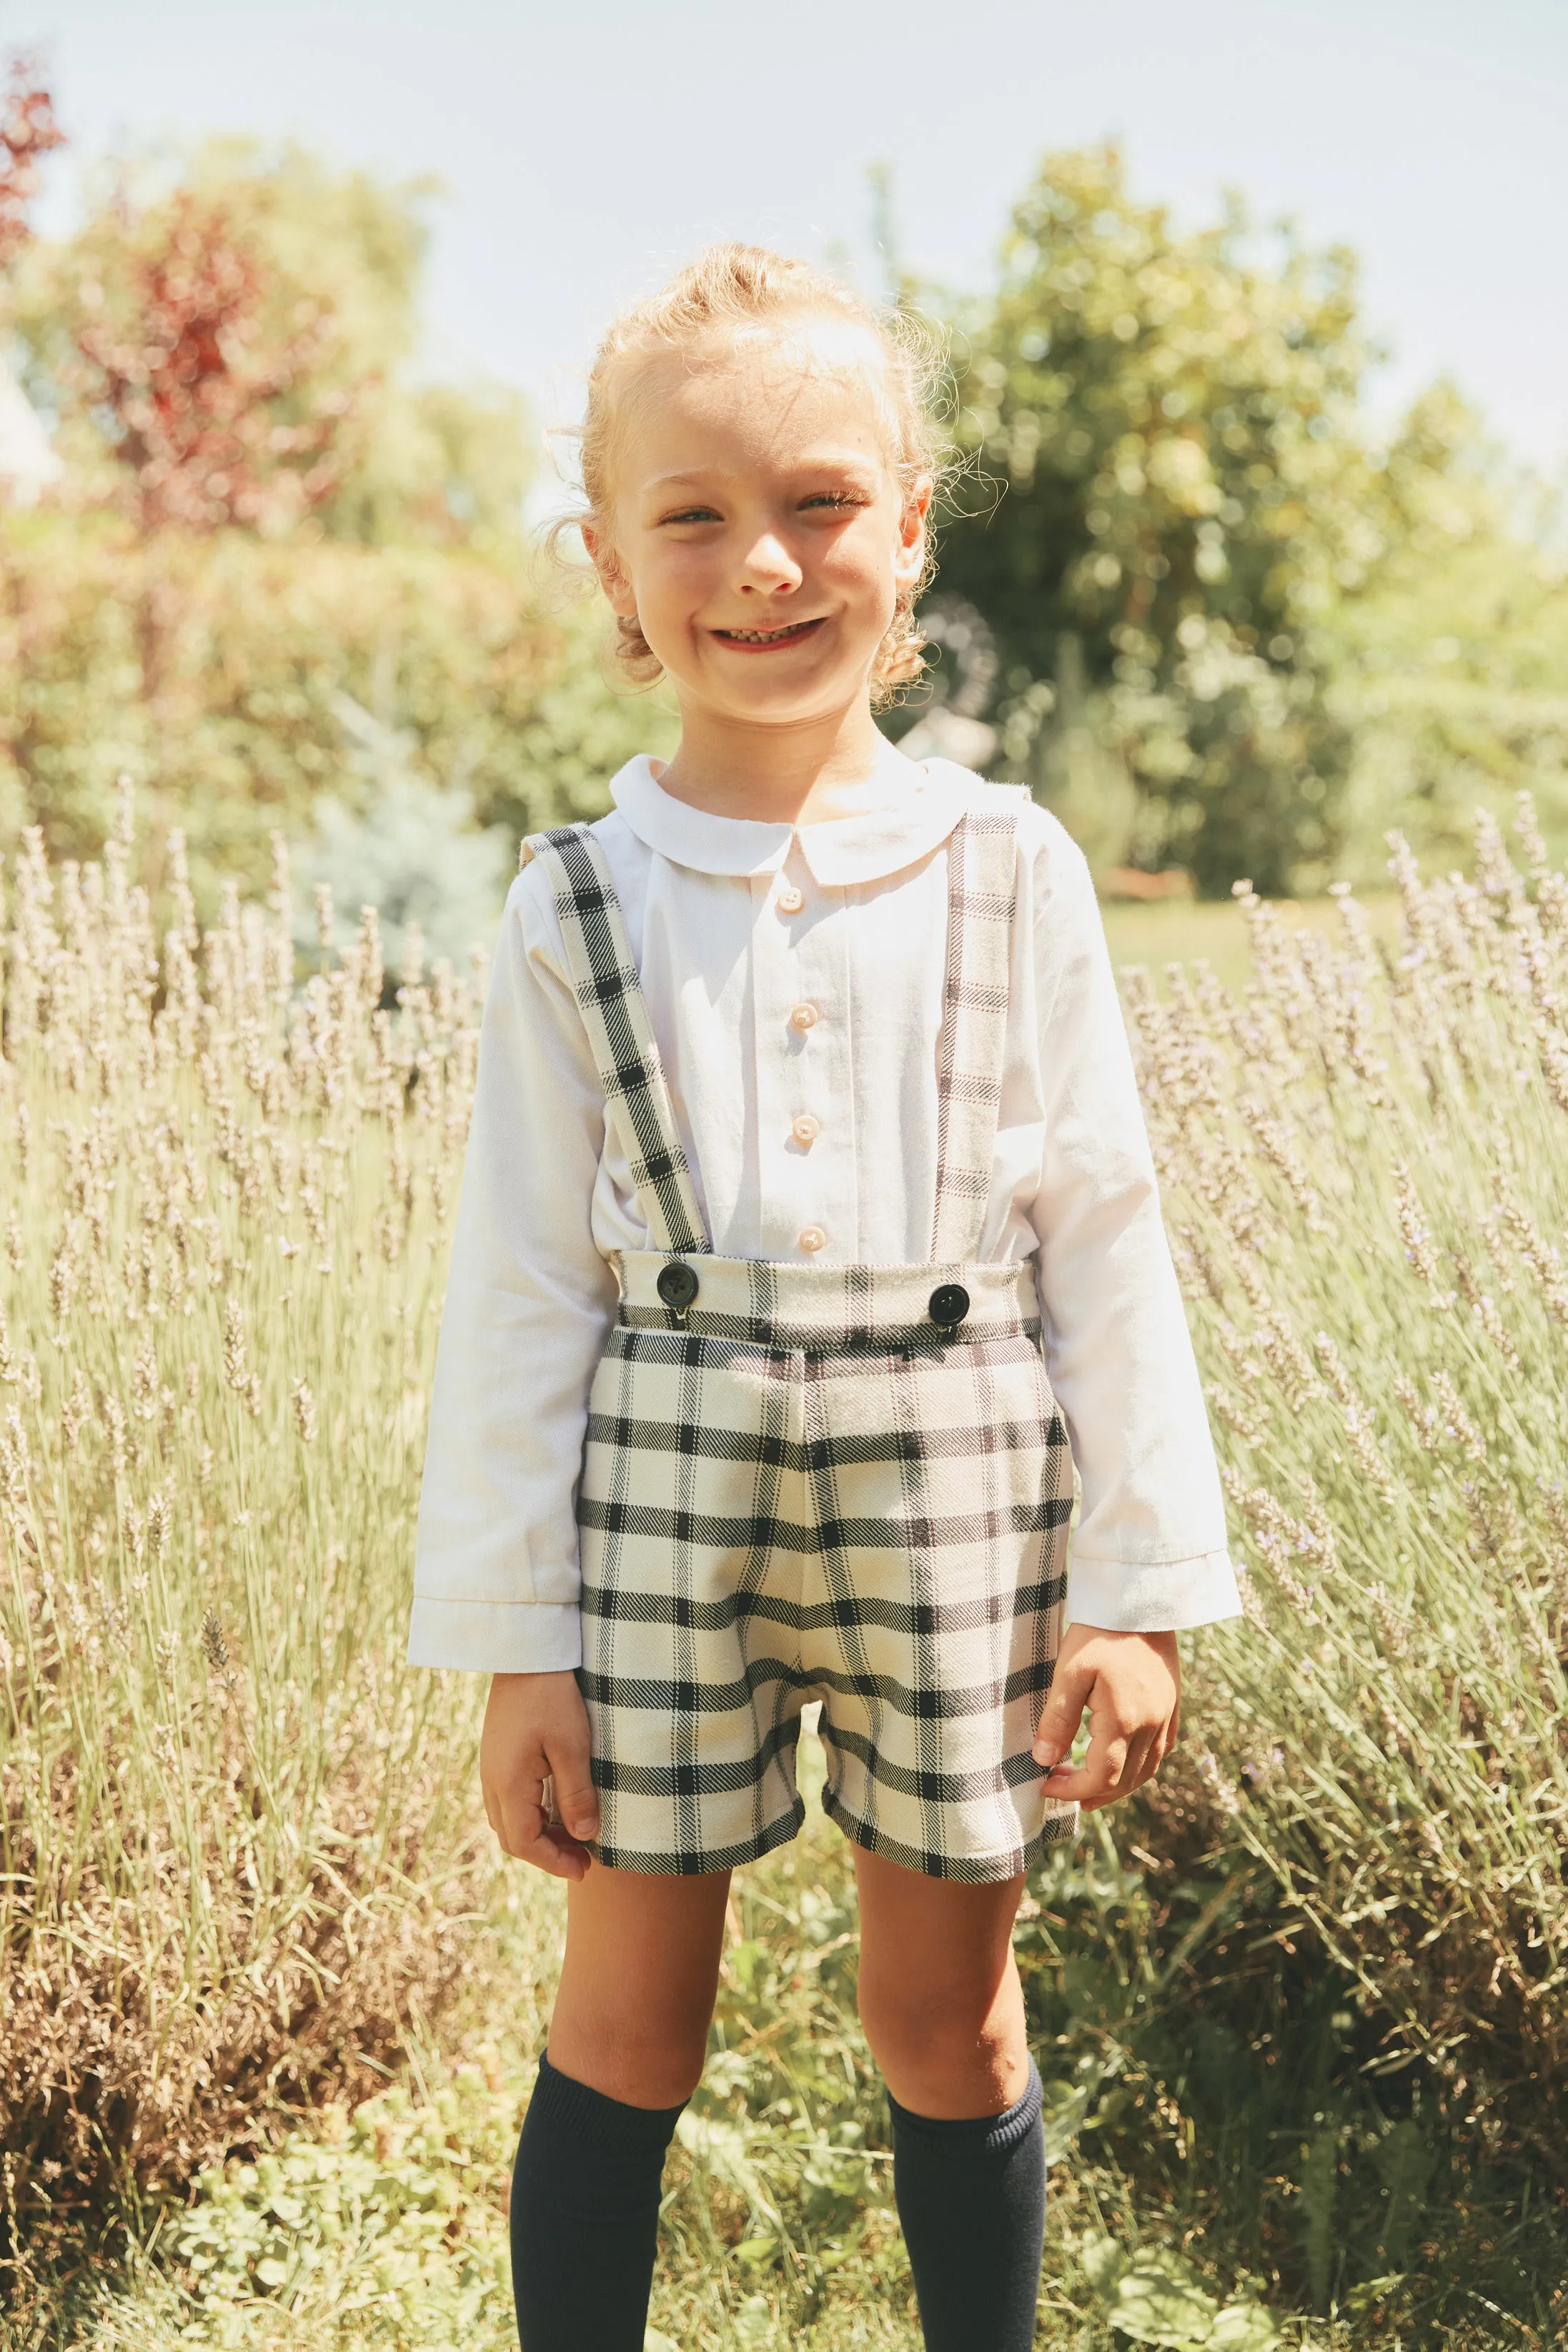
(794, 978)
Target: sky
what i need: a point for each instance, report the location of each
(588, 147)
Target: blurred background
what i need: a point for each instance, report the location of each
(1259, 389)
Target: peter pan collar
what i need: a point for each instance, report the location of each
(901, 814)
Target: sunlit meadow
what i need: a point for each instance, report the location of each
(265, 2005)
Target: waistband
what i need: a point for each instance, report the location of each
(825, 1306)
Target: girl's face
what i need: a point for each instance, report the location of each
(761, 534)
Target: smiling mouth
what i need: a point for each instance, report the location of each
(762, 641)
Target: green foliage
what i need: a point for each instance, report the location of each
(1172, 422)
(1159, 2298)
(1177, 2190)
(412, 853)
(1452, 679)
(386, 2226)
(339, 253)
(210, 669)
(1173, 519)
(211, 665)
(399, 2204)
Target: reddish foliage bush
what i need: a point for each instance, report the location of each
(28, 131)
(211, 403)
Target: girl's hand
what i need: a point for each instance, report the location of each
(536, 1728)
(1132, 1685)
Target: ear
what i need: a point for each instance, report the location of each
(910, 560)
(606, 562)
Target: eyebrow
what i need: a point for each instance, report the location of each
(663, 484)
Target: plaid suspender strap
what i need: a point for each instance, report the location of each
(604, 977)
(973, 1029)
(636, 1098)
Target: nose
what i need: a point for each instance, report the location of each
(768, 569)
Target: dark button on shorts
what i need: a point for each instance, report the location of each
(677, 1285)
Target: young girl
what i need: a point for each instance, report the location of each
(808, 1220)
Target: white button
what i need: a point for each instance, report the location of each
(812, 1239)
(804, 1017)
(789, 901)
(805, 1131)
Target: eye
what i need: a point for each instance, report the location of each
(691, 514)
(840, 498)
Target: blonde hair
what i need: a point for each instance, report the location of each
(738, 285)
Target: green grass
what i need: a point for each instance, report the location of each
(386, 2227)
(1187, 930)
(1178, 2189)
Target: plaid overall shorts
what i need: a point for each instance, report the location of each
(842, 1483)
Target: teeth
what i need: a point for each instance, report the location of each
(765, 637)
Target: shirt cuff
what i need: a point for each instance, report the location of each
(1123, 1596)
(497, 1637)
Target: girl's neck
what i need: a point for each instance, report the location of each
(792, 774)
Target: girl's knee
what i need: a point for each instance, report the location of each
(905, 2023)
(641, 2041)
(640, 2069)
(942, 2053)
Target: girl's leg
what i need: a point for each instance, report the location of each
(635, 1996)
(944, 2012)
(627, 2044)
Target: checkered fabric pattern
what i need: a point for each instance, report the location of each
(975, 1011)
(637, 1095)
(802, 1484)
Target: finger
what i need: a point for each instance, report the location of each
(1162, 1742)
(576, 1799)
(1142, 1760)
(1062, 1714)
(529, 1835)
(1099, 1777)
(516, 1806)
(554, 1852)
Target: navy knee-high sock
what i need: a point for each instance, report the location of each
(585, 2217)
(971, 2198)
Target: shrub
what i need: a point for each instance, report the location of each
(235, 1835)
(212, 671)
(1366, 1163)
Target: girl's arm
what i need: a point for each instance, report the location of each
(529, 1302)
(1149, 1552)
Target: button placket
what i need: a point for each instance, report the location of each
(800, 979)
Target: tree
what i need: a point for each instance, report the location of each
(257, 320)
(28, 131)
(1165, 489)
(1452, 672)
(209, 390)
(234, 344)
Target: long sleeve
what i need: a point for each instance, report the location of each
(529, 1301)
(1149, 1551)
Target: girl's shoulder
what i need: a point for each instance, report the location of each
(1045, 844)
(531, 899)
